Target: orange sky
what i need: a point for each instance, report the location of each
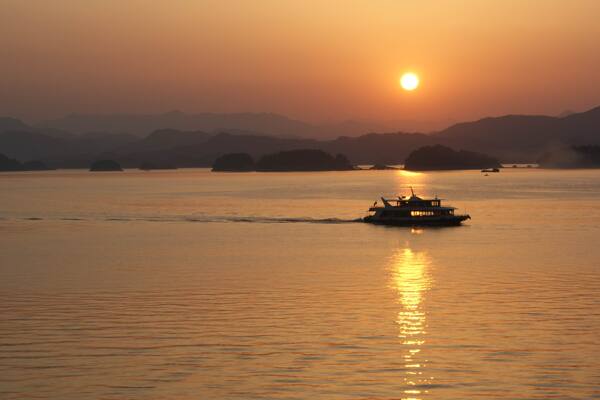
(312, 60)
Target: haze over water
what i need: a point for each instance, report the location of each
(189, 284)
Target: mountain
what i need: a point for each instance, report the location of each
(511, 138)
(377, 148)
(238, 123)
(165, 139)
(515, 138)
(141, 124)
(582, 128)
(25, 145)
(12, 124)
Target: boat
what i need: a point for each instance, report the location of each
(414, 211)
(490, 170)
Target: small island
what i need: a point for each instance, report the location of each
(572, 157)
(303, 160)
(234, 162)
(438, 157)
(105, 165)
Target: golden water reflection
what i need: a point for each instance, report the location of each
(410, 275)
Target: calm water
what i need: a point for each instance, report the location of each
(196, 285)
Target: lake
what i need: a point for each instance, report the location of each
(189, 284)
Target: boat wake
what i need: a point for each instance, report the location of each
(276, 220)
(198, 219)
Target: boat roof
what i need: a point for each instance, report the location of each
(414, 202)
(417, 208)
(411, 198)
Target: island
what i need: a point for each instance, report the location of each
(283, 161)
(105, 165)
(438, 157)
(571, 157)
(10, 164)
(234, 162)
(303, 160)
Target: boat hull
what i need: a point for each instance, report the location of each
(450, 220)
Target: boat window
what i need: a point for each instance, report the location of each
(421, 213)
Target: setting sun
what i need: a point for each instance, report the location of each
(409, 81)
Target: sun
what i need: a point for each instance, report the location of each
(409, 81)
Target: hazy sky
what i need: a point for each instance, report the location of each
(313, 60)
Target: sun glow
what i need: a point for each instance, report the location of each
(409, 81)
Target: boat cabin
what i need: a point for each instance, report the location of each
(413, 206)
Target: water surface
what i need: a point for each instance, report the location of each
(189, 284)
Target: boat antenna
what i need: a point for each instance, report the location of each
(411, 190)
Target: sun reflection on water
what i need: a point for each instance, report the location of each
(408, 174)
(410, 278)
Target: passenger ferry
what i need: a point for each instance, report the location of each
(414, 211)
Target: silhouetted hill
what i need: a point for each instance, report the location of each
(582, 128)
(98, 142)
(368, 149)
(141, 124)
(523, 137)
(377, 148)
(25, 145)
(10, 164)
(12, 124)
(303, 160)
(204, 154)
(512, 138)
(167, 139)
(236, 123)
(438, 157)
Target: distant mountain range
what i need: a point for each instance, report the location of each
(243, 123)
(197, 140)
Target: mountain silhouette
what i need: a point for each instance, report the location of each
(511, 139)
(12, 124)
(518, 137)
(141, 124)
